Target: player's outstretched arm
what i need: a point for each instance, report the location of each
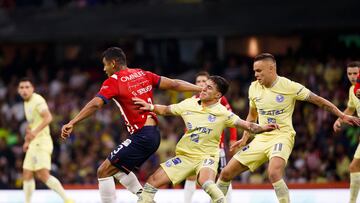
(157, 108)
(178, 85)
(255, 128)
(328, 106)
(95, 104)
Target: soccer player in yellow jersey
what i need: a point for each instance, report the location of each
(272, 100)
(38, 144)
(197, 152)
(352, 106)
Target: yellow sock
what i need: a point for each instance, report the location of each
(354, 186)
(148, 194)
(223, 186)
(282, 191)
(215, 193)
(28, 187)
(55, 185)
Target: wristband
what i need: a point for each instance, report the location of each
(152, 107)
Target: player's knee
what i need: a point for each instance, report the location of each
(226, 175)
(275, 175)
(101, 171)
(354, 167)
(43, 177)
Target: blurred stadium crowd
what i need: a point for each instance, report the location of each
(70, 81)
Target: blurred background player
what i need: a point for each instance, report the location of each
(122, 85)
(272, 100)
(190, 183)
(38, 144)
(352, 106)
(197, 152)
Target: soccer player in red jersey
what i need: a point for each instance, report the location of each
(190, 183)
(122, 85)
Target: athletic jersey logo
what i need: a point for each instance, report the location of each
(211, 118)
(188, 125)
(194, 138)
(280, 98)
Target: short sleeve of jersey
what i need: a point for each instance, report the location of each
(301, 92)
(41, 104)
(351, 102)
(231, 118)
(108, 90)
(179, 108)
(154, 78)
(251, 98)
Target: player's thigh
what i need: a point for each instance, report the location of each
(252, 155)
(206, 174)
(232, 169)
(159, 178)
(106, 169)
(280, 146)
(179, 168)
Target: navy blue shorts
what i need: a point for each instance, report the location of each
(135, 150)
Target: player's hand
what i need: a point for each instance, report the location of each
(240, 143)
(29, 135)
(337, 125)
(143, 104)
(66, 130)
(25, 146)
(269, 127)
(232, 151)
(351, 120)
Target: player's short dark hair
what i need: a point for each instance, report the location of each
(26, 79)
(264, 56)
(202, 73)
(353, 64)
(115, 53)
(221, 83)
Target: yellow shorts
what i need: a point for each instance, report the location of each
(357, 152)
(261, 150)
(180, 167)
(36, 159)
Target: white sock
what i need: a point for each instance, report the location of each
(281, 191)
(107, 190)
(129, 181)
(54, 184)
(28, 187)
(189, 189)
(354, 186)
(229, 193)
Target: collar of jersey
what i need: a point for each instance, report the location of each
(274, 83)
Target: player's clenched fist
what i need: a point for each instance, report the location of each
(66, 130)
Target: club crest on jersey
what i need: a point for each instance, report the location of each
(211, 118)
(280, 98)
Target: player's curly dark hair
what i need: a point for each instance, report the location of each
(221, 83)
(115, 53)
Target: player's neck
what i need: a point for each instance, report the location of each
(209, 103)
(273, 81)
